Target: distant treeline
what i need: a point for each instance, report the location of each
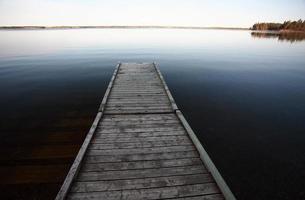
(287, 25)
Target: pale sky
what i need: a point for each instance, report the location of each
(226, 13)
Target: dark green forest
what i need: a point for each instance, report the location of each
(287, 25)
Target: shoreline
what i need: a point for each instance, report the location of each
(114, 27)
(277, 31)
(145, 27)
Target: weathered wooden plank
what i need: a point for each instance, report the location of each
(147, 93)
(155, 85)
(139, 109)
(125, 108)
(136, 73)
(141, 183)
(155, 91)
(138, 102)
(139, 125)
(128, 123)
(132, 75)
(152, 193)
(138, 90)
(124, 86)
(143, 117)
(137, 121)
(135, 82)
(138, 82)
(129, 75)
(106, 143)
(139, 134)
(140, 76)
(135, 130)
(99, 167)
(128, 143)
(137, 118)
(137, 85)
(145, 101)
(134, 79)
(126, 146)
(137, 95)
(202, 197)
(142, 139)
(113, 125)
(141, 156)
(93, 151)
(139, 99)
(140, 173)
(110, 142)
(136, 98)
(131, 94)
(138, 105)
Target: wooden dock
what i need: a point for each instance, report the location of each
(141, 147)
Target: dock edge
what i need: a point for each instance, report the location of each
(202, 152)
(73, 171)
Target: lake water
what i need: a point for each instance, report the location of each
(243, 95)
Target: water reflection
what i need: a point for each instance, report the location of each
(281, 36)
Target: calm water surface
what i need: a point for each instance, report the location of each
(244, 96)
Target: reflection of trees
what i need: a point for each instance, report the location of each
(281, 36)
(287, 25)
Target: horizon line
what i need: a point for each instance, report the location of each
(117, 26)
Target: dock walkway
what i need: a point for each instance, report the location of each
(141, 147)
